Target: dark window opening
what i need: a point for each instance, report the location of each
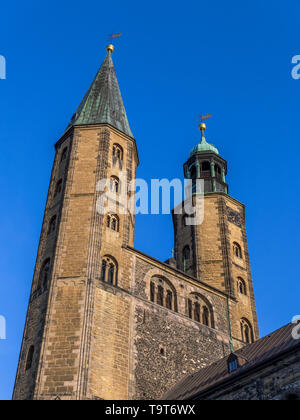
(160, 295)
(29, 359)
(58, 188)
(44, 274)
(109, 271)
(52, 225)
(237, 250)
(197, 311)
(205, 316)
(169, 299)
(64, 154)
(152, 291)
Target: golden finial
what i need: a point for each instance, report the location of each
(110, 47)
(202, 128)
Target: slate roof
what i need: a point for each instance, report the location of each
(259, 353)
(103, 103)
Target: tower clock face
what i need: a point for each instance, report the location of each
(234, 217)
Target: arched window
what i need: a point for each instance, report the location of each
(241, 286)
(113, 222)
(117, 153)
(29, 358)
(200, 310)
(237, 250)
(52, 225)
(109, 270)
(44, 274)
(246, 331)
(64, 154)
(58, 188)
(115, 185)
(163, 293)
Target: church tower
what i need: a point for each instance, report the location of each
(78, 248)
(216, 250)
(105, 320)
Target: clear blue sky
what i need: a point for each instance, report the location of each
(175, 60)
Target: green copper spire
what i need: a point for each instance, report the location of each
(103, 103)
(204, 146)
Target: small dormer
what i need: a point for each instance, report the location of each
(234, 362)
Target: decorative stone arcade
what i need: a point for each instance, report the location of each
(206, 163)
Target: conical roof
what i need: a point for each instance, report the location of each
(103, 103)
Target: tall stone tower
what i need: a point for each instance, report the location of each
(76, 250)
(216, 251)
(106, 321)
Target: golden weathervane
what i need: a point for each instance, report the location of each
(110, 46)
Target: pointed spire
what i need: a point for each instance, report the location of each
(103, 103)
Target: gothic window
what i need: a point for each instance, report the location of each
(44, 274)
(237, 250)
(117, 154)
(29, 359)
(246, 331)
(242, 286)
(114, 185)
(109, 271)
(113, 222)
(163, 293)
(200, 310)
(52, 225)
(186, 257)
(58, 188)
(64, 154)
